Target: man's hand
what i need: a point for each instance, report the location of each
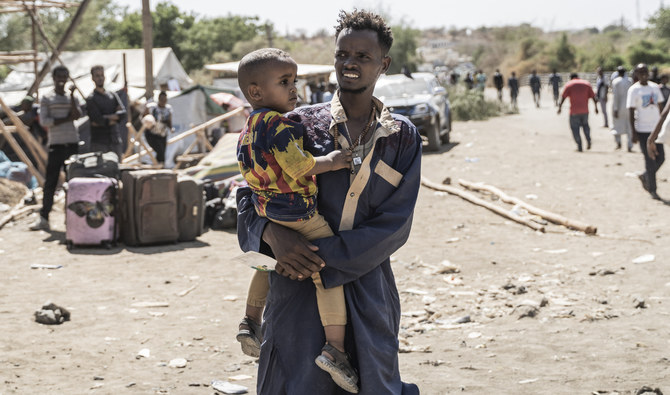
(651, 149)
(616, 114)
(559, 111)
(296, 257)
(636, 137)
(341, 159)
(113, 118)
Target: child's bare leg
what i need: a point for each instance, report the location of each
(254, 313)
(334, 337)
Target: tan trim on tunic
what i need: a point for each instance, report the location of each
(388, 173)
(385, 126)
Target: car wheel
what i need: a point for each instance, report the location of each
(433, 134)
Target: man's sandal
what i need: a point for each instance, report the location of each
(340, 369)
(249, 336)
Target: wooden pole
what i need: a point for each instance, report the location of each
(22, 155)
(191, 131)
(473, 199)
(147, 44)
(37, 21)
(33, 32)
(549, 216)
(35, 148)
(63, 41)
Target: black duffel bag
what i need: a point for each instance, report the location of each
(93, 164)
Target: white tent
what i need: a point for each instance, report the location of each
(166, 67)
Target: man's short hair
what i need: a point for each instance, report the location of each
(60, 69)
(254, 63)
(573, 76)
(97, 67)
(365, 20)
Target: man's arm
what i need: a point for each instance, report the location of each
(595, 103)
(560, 104)
(651, 141)
(631, 119)
(94, 113)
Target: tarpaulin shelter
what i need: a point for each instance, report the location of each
(167, 69)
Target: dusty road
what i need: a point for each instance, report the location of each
(599, 322)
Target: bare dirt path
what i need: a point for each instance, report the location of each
(599, 321)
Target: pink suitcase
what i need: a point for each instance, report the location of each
(90, 205)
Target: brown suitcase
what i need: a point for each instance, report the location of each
(191, 207)
(149, 207)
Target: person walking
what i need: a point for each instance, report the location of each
(579, 91)
(105, 110)
(498, 81)
(643, 103)
(602, 88)
(513, 84)
(535, 85)
(620, 119)
(57, 114)
(555, 81)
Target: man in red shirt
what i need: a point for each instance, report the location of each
(579, 91)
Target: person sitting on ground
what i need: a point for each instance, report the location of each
(281, 175)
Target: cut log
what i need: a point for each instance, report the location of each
(549, 216)
(480, 202)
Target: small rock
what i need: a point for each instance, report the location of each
(639, 303)
(177, 363)
(52, 314)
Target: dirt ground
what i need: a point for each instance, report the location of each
(596, 308)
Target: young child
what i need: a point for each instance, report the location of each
(281, 175)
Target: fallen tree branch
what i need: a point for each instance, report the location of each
(549, 216)
(480, 202)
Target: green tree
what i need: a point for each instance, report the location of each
(403, 51)
(564, 54)
(659, 23)
(645, 51)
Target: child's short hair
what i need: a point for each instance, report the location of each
(254, 63)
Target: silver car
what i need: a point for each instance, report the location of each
(423, 100)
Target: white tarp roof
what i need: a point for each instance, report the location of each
(166, 66)
(304, 70)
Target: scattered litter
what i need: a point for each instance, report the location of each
(527, 381)
(42, 266)
(559, 251)
(452, 240)
(433, 363)
(644, 258)
(447, 268)
(471, 160)
(177, 363)
(531, 196)
(474, 335)
(230, 298)
(151, 304)
(405, 350)
(453, 280)
(143, 353)
(156, 313)
(52, 314)
(414, 291)
(428, 299)
(229, 388)
(187, 291)
(240, 377)
(462, 320)
(596, 254)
